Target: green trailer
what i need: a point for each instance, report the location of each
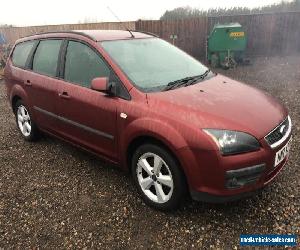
(226, 45)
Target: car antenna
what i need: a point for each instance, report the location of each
(120, 22)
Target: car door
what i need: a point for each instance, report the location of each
(42, 82)
(87, 117)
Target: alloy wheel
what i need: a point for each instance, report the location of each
(155, 178)
(24, 121)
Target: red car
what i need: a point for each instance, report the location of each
(139, 102)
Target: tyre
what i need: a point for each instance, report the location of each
(26, 125)
(158, 178)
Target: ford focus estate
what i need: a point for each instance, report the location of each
(140, 102)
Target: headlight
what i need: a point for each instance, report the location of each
(233, 142)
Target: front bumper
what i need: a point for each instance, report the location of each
(208, 172)
(255, 189)
(209, 198)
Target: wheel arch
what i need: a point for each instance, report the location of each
(18, 93)
(144, 130)
(14, 101)
(140, 140)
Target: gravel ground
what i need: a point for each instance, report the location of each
(53, 195)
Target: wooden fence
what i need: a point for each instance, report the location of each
(14, 33)
(268, 34)
(191, 33)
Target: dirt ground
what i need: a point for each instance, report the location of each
(53, 195)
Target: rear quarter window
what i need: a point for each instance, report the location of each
(21, 53)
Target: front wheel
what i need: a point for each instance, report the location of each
(158, 177)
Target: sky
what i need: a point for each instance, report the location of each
(39, 12)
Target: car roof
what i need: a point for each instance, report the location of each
(95, 35)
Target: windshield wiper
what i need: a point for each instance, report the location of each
(197, 78)
(186, 81)
(177, 83)
(205, 74)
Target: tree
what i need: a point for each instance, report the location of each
(6, 26)
(188, 12)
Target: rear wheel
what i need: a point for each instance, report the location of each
(158, 177)
(25, 123)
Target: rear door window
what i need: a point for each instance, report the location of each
(83, 64)
(21, 53)
(46, 57)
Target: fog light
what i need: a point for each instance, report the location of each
(232, 183)
(244, 176)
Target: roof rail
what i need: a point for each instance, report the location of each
(69, 31)
(145, 32)
(84, 34)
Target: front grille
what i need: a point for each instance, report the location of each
(279, 132)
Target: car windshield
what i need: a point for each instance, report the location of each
(152, 63)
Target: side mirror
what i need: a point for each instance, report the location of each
(100, 84)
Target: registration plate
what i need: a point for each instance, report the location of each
(282, 153)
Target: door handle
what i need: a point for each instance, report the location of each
(27, 83)
(64, 95)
